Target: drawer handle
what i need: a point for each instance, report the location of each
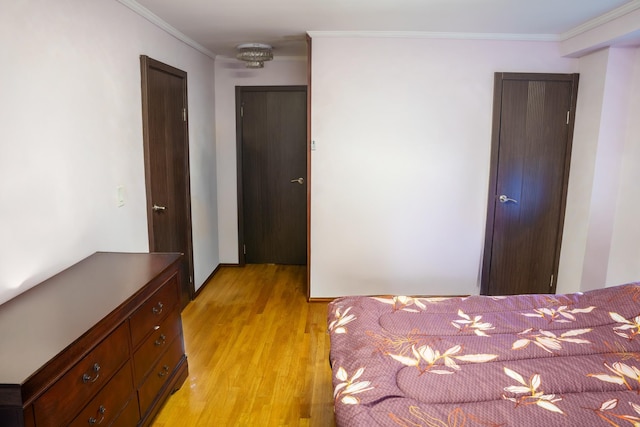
(158, 308)
(87, 378)
(101, 411)
(164, 371)
(161, 340)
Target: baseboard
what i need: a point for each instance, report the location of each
(208, 280)
(320, 299)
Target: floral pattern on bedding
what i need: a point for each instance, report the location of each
(526, 360)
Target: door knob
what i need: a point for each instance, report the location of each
(505, 199)
(158, 208)
(299, 180)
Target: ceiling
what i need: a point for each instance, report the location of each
(218, 26)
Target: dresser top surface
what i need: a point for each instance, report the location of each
(38, 324)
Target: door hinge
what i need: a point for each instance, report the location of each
(184, 114)
(551, 282)
(190, 279)
(244, 249)
(568, 116)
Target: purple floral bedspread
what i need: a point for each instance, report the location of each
(526, 360)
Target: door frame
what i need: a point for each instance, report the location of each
(493, 174)
(146, 64)
(239, 91)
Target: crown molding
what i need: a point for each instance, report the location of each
(601, 20)
(589, 25)
(160, 23)
(434, 35)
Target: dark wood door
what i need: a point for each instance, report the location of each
(532, 133)
(166, 149)
(273, 165)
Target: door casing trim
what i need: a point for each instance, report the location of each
(493, 174)
(239, 91)
(145, 64)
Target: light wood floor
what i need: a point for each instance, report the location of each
(258, 353)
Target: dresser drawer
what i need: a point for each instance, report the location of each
(75, 388)
(108, 402)
(160, 372)
(151, 313)
(129, 416)
(153, 347)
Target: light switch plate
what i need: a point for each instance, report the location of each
(120, 196)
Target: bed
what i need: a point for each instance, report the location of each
(525, 360)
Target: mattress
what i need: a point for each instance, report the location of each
(525, 360)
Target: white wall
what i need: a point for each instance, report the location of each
(72, 133)
(601, 227)
(229, 74)
(602, 116)
(583, 160)
(400, 173)
(624, 260)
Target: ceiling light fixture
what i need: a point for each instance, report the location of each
(254, 54)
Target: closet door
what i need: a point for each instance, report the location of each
(166, 149)
(273, 174)
(531, 148)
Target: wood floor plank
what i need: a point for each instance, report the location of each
(258, 353)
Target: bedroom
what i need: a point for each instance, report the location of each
(72, 132)
(64, 173)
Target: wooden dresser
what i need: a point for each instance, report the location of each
(98, 344)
